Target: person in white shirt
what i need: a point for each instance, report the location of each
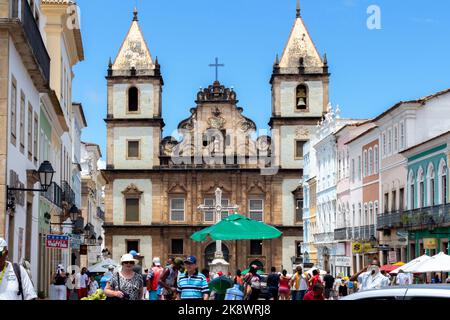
(81, 281)
(93, 285)
(403, 278)
(370, 277)
(9, 282)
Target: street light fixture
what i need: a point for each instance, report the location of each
(45, 173)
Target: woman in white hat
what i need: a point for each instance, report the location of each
(125, 284)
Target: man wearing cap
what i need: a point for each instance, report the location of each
(192, 285)
(9, 281)
(153, 278)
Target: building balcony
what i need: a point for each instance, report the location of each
(68, 194)
(416, 218)
(343, 234)
(363, 232)
(54, 194)
(28, 41)
(100, 213)
(325, 237)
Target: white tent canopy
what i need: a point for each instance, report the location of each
(102, 266)
(437, 263)
(321, 272)
(407, 267)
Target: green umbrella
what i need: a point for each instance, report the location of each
(237, 227)
(220, 284)
(244, 272)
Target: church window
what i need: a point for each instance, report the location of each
(255, 247)
(177, 246)
(299, 149)
(133, 98)
(256, 209)
(177, 209)
(132, 209)
(301, 98)
(298, 210)
(132, 245)
(133, 149)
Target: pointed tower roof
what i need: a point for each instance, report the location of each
(134, 51)
(300, 45)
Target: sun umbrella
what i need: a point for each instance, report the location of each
(102, 266)
(388, 267)
(237, 227)
(244, 272)
(437, 263)
(220, 284)
(412, 263)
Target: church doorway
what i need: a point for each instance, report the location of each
(257, 263)
(209, 253)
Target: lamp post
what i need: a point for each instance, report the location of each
(45, 173)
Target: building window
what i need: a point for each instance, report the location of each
(256, 209)
(177, 246)
(443, 183)
(389, 141)
(395, 138)
(411, 191)
(133, 151)
(359, 168)
(370, 161)
(394, 201)
(386, 202)
(353, 170)
(132, 245)
(255, 247)
(13, 111)
(401, 199)
(22, 122)
(177, 209)
(402, 135)
(421, 188)
(376, 159)
(298, 210)
(209, 216)
(132, 210)
(133, 98)
(431, 185)
(371, 213)
(299, 149)
(35, 139)
(301, 98)
(360, 215)
(383, 137)
(365, 163)
(30, 132)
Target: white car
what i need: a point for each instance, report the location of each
(411, 292)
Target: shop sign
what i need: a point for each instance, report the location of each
(430, 243)
(357, 247)
(57, 241)
(343, 261)
(392, 257)
(76, 241)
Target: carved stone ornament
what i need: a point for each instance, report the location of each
(132, 189)
(263, 143)
(216, 122)
(302, 132)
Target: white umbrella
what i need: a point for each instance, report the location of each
(103, 266)
(437, 263)
(321, 272)
(407, 267)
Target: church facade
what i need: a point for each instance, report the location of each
(155, 184)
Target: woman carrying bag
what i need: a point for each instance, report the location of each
(125, 284)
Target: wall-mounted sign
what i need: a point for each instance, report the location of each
(57, 241)
(429, 243)
(357, 247)
(343, 261)
(392, 257)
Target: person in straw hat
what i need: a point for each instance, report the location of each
(126, 284)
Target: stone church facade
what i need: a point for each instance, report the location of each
(155, 184)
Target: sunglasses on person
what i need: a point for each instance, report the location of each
(128, 262)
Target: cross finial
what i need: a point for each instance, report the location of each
(298, 9)
(217, 65)
(135, 14)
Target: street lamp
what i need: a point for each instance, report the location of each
(45, 173)
(99, 240)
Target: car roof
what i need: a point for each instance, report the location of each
(434, 290)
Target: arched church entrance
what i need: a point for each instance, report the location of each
(209, 253)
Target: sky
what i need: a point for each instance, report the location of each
(371, 69)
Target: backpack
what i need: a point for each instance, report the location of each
(16, 268)
(153, 281)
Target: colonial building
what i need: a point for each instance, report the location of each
(155, 184)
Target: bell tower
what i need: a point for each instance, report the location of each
(299, 94)
(134, 122)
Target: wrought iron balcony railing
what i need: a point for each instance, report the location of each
(54, 194)
(68, 194)
(100, 213)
